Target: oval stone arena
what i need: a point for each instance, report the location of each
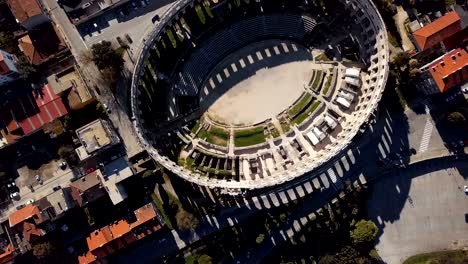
(240, 94)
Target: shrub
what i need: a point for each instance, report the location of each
(365, 231)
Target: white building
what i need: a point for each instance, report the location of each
(8, 70)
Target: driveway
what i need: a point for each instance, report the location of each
(420, 211)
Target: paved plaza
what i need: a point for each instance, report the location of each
(420, 211)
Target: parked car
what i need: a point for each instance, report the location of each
(56, 188)
(155, 19)
(20, 206)
(129, 39)
(120, 41)
(15, 195)
(62, 165)
(465, 188)
(30, 201)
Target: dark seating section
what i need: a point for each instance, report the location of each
(190, 76)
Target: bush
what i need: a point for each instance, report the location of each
(456, 118)
(364, 232)
(186, 220)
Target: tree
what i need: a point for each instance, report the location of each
(456, 118)
(328, 259)
(204, 259)
(8, 42)
(186, 220)
(364, 232)
(401, 59)
(104, 56)
(24, 67)
(44, 252)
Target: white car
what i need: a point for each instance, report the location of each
(15, 195)
(465, 188)
(31, 201)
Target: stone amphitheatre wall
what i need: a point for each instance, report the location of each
(375, 52)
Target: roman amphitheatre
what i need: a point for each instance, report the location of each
(243, 94)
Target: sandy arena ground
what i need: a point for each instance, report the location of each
(269, 77)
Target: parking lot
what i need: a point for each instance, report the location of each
(132, 19)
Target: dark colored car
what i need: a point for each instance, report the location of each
(155, 19)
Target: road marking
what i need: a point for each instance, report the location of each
(426, 137)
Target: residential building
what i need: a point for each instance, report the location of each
(42, 44)
(109, 239)
(25, 221)
(446, 72)
(438, 32)
(28, 13)
(83, 10)
(69, 84)
(95, 137)
(7, 254)
(8, 70)
(28, 112)
(113, 173)
(56, 204)
(87, 189)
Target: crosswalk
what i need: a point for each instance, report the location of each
(426, 137)
(428, 127)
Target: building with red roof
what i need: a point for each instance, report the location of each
(109, 239)
(438, 31)
(27, 12)
(8, 254)
(27, 113)
(25, 221)
(450, 70)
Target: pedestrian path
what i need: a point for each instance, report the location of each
(426, 137)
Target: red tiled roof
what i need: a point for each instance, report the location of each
(88, 258)
(8, 254)
(31, 232)
(143, 215)
(4, 69)
(438, 30)
(106, 240)
(24, 9)
(451, 70)
(24, 214)
(31, 111)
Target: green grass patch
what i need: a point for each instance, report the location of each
(171, 37)
(195, 127)
(299, 106)
(206, 5)
(214, 135)
(159, 205)
(327, 84)
(249, 137)
(318, 80)
(393, 40)
(275, 133)
(452, 256)
(322, 57)
(302, 116)
(401, 98)
(285, 127)
(200, 14)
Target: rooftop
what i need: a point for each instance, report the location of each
(24, 214)
(29, 112)
(82, 10)
(437, 31)
(41, 44)
(95, 135)
(112, 174)
(87, 188)
(24, 9)
(450, 70)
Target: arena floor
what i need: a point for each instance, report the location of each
(257, 82)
